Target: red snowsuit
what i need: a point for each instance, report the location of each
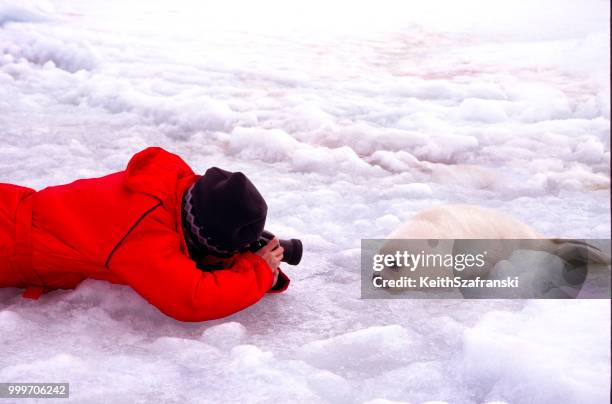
(125, 228)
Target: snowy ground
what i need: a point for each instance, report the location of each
(350, 118)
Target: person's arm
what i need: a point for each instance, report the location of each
(171, 281)
(223, 292)
(212, 263)
(272, 253)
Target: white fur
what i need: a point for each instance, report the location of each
(436, 228)
(463, 222)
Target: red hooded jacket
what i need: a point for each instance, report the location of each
(124, 228)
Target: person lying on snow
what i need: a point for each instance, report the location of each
(154, 226)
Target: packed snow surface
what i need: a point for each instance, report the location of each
(350, 117)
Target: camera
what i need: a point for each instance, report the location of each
(292, 253)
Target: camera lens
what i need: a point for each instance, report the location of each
(292, 253)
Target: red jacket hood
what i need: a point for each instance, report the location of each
(158, 173)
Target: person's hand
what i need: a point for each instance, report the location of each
(272, 253)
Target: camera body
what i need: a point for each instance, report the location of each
(293, 249)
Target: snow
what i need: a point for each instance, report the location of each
(350, 117)
(482, 110)
(26, 11)
(504, 342)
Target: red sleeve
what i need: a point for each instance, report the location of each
(227, 291)
(171, 281)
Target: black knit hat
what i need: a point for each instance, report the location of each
(227, 211)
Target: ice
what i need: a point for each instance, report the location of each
(308, 117)
(590, 151)
(224, 335)
(361, 351)
(342, 159)
(504, 342)
(24, 11)
(351, 118)
(57, 50)
(270, 145)
(478, 109)
(10, 320)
